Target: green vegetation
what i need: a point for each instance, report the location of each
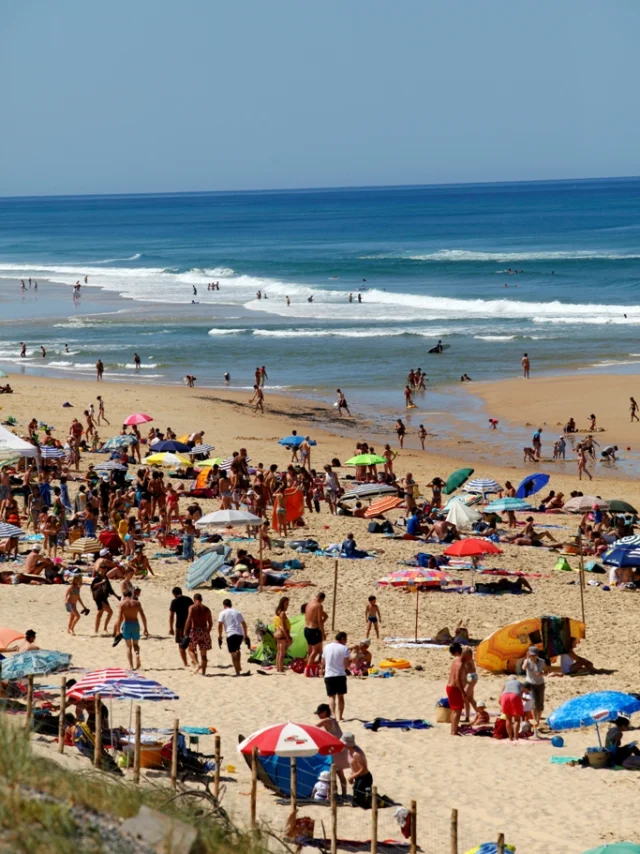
(45, 808)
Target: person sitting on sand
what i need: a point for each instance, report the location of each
(443, 532)
(482, 717)
(572, 663)
(6, 389)
(613, 744)
(350, 550)
(504, 585)
(529, 536)
(360, 658)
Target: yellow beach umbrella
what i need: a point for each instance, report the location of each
(167, 459)
(212, 461)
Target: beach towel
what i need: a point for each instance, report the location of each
(294, 506)
(564, 760)
(556, 636)
(396, 723)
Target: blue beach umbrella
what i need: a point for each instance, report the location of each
(36, 662)
(590, 709)
(169, 445)
(118, 442)
(620, 555)
(205, 567)
(295, 441)
(532, 484)
(502, 505)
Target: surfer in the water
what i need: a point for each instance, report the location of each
(439, 348)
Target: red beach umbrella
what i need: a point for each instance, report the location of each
(472, 547)
(137, 418)
(291, 739)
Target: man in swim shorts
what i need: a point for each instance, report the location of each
(456, 686)
(198, 630)
(315, 618)
(235, 628)
(128, 624)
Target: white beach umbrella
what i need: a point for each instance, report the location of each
(461, 515)
(482, 486)
(584, 503)
(224, 518)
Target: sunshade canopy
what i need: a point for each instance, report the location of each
(483, 486)
(472, 547)
(291, 739)
(366, 460)
(456, 479)
(586, 709)
(224, 518)
(11, 445)
(531, 484)
(35, 662)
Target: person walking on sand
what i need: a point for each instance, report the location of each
(633, 409)
(582, 463)
(198, 630)
(178, 614)
(314, 618)
(258, 399)
(101, 415)
(342, 402)
(235, 628)
(422, 435)
(335, 659)
(471, 680)
(71, 600)
(526, 366)
(128, 624)
(456, 686)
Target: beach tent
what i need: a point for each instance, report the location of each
(10, 445)
(265, 652)
(277, 770)
(502, 650)
(461, 515)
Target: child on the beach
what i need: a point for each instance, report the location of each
(71, 604)
(372, 616)
(321, 789)
(422, 435)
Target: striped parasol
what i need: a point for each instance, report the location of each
(197, 450)
(482, 486)
(50, 452)
(132, 688)
(117, 442)
(167, 458)
(415, 577)
(96, 677)
(110, 465)
(225, 465)
(382, 505)
(85, 546)
(8, 530)
(369, 490)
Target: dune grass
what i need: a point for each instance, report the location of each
(46, 808)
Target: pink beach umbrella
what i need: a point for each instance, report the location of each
(137, 418)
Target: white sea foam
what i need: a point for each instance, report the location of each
(373, 332)
(152, 284)
(494, 337)
(505, 257)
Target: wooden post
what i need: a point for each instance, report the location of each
(335, 593)
(501, 844)
(417, 606)
(254, 787)
(216, 773)
(97, 751)
(136, 746)
(63, 708)
(454, 831)
(413, 846)
(374, 820)
(294, 788)
(260, 558)
(334, 809)
(174, 755)
(29, 702)
(581, 574)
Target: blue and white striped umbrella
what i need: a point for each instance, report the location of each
(197, 450)
(133, 688)
(225, 465)
(482, 486)
(50, 452)
(110, 465)
(633, 540)
(7, 530)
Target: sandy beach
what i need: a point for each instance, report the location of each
(496, 785)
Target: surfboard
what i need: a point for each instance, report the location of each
(436, 350)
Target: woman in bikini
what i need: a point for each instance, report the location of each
(282, 633)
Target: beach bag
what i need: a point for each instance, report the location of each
(374, 528)
(423, 559)
(563, 564)
(312, 670)
(500, 729)
(298, 665)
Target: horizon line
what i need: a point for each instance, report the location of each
(322, 189)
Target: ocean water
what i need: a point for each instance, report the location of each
(551, 268)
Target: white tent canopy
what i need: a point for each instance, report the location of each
(11, 445)
(461, 515)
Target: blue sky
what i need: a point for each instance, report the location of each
(178, 95)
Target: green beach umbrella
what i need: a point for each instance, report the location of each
(366, 460)
(456, 479)
(212, 461)
(616, 848)
(3, 375)
(618, 506)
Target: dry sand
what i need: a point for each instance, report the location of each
(496, 786)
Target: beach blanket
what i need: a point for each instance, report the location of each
(396, 723)
(294, 506)
(385, 846)
(556, 635)
(564, 760)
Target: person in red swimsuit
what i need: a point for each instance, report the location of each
(456, 686)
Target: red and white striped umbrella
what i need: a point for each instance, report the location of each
(291, 739)
(82, 689)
